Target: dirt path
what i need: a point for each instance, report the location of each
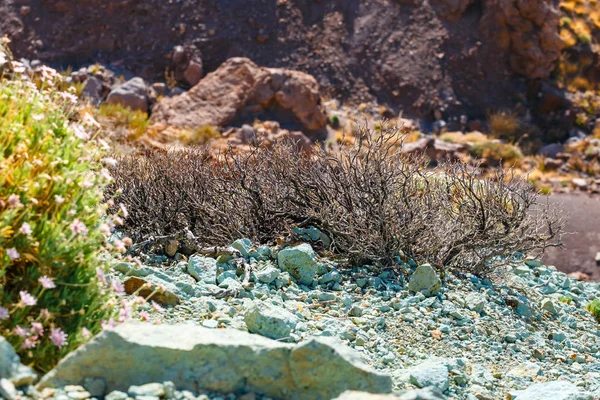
(582, 213)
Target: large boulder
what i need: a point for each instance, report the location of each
(528, 30)
(239, 89)
(132, 94)
(225, 360)
(11, 367)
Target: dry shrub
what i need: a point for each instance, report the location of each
(372, 202)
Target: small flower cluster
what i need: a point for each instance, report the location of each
(31, 335)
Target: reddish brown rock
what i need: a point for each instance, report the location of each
(165, 298)
(528, 29)
(239, 89)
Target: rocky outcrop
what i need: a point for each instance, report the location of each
(224, 360)
(11, 369)
(239, 90)
(528, 30)
(132, 94)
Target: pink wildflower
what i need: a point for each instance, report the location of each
(12, 253)
(109, 161)
(80, 133)
(78, 227)
(37, 328)
(58, 337)
(120, 246)
(14, 201)
(4, 313)
(47, 282)
(101, 275)
(86, 333)
(29, 342)
(157, 307)
(45, 314)
(26, 299)
(19, 331)
(26, 229)
(105, 229)
(117, 286)
(144, 316)
(59, 199)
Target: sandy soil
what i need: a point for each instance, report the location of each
(582, 214)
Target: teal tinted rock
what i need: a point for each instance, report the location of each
(219, 360)
(266, 273)
(327, 364)
(203, 269)
(11, 367)
(549, 306)
(534, 263)
(268, 320)
(425, 279)
(557, 390)
(300, 262)
(149, 389)
(243, 246)
(475, 302)
(430, 373)
(225, 275)
(116, 395)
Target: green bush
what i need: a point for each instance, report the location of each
(52, 291)
(594, 308)
(497, 152)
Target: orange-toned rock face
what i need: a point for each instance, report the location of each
(529, 30)
(239, 89)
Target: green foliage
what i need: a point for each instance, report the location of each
(51, 235)
(497, 151)
(594, 308)
(135, 121)
(334, 121)
(565, 299)
(504, 125)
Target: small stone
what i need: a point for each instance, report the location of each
(481, 393)
(79, 395)
(96, 386)
(269, 320)
(7, 389)
(425, 279)
(534, 263)
(355, 311)
(430, 373)
(226, 275)
(149, 389)
(527, 370)
(169, 389)
(74, 388)
(510, 338)
(475, 302)
(243, 246)
(580, 183)
(548, 305)
(116, 395)
(132, 94)
(556, 390)
(210, 323)
(326, 296)
(203, 269)
(300, 262)
(267, 274)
